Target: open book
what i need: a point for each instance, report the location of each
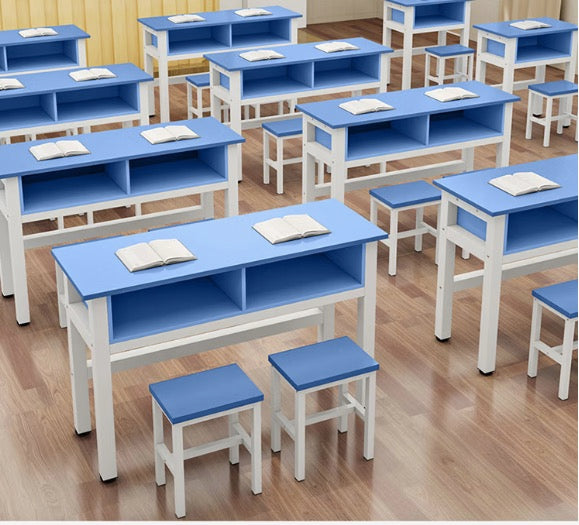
(160, 252)
(37, 31)
(523, 182)
(10, 83)
(58, 149)
(448, 94)
(529, 24)
(252, 11)
(333, 47)
(365, 105)
(261, 54)
(168, 134)
(183, 19)
(288, 228)
(94, 73)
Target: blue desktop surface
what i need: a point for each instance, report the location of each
(505, 29)
(66, 32)
(296, 54)
(410, 3)
(220, 245)
(473, 187)
(214, 18)
(118, 144)
(59, 81)
(407, 103)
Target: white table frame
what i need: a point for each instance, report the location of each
(88, 326)
(497, 267)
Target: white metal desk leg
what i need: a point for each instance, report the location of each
(370, 417)
(5, 259)
(540, 79)
(481, 66)
(232, 421)
(445, 278)
(235, 105)
(59, 296)
(300, 436)
(275, 439)
(504, 147)
(103, 389)
(407, 48)
(509, 65)
(386, 41)
(144, 106)
(78, 380)
(158, 439)
(491, 294)
(308, 164)
(326, 329)
(535, 337)
(207, 205)
(163, 65)
(234, 169)
(339, 170)
(149, 68)
(256, 449)
(566, 358)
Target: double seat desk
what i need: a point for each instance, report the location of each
(513, 236)
(165, 41)
(305, 71)
(241, 287)
(53, 101)
(418, 125)
(122, 169)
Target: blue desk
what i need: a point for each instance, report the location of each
(122, 169)
(513, 236)
(26, 55)
(241, 287)
(53, 101)
(418, 125)
(304, 71)
(165, 41)
(412, 17)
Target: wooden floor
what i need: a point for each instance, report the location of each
(450, 443)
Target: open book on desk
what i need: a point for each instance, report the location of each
(58, 149)
(168, 134)
(151, 254)
(523, 182)
(260, 54)
(252, 11)
(10, 83)
(95, 73)
(183, 19)
(529, 24)
(333, 47)
(365, 105)
(37, 31)
(289, 228)
(449, 94)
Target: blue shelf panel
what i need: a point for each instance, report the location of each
(40, 62)
(27, 110)
(531, 53)
(297, 279)
(190, 47)
(439, 15)
(272, 86)
(346, 70)
(187, 303)
(330, 79)
(43, 55)
(199, 39)
(261, 32)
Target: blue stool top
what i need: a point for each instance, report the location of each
(204, 393)
(562, 297)
(449, 51)
(322, 363)
(284, 128)
(199, 80)
(553, 89)
(407, 194)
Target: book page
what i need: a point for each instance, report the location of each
(333, 47)
(82, 75)
(449, 94)
(182, 19)
(366, 105)
(70, 148)
(529, 24)
(253, 11)
(171, 251)
(38, 31)
(139, 257)
(181, 132)
(46, 151)
(532, 179)
(262, 54)
(158, 135)
(102, 72)
(306, 225)
(10, 83)
(276, 230)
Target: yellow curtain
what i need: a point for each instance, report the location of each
(115, 33)
(515, 9)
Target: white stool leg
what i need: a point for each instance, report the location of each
(566, 358)
(275, 436)
(393, 242)
(280, 108)
(158, 440)
(437, 235)
(530, 105)
(548, 117)
(373, 211)
(179, 471)
(233, 419)
(418, 237)
(426, 69)
(265, 157)
(535, 337)
(320, 167)
(343, 421)
(189, 101)
(256, 450)
(561, 112)
(470, 62)
(279, 162)
(370, 417)
(300, 436)
(440, 69)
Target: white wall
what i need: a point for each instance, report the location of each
(569, 11)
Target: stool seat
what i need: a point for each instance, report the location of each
(450, 51)
(408, 194)
(204, 393)
(555, 89)
(562, 297)
(200, 80)
(284, 128)
(322, 363)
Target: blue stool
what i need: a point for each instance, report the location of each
(401, 197)
(561, 90)
(191, 399)
(462, 70)
(561, 299)
(308, 369)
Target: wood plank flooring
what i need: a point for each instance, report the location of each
(450, 443)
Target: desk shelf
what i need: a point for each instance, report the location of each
(532, 48)
(41, 55)
(346, 71)
(261, 32)
(277, 79)
(199, 40)
(437, 15)
(27, 110)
